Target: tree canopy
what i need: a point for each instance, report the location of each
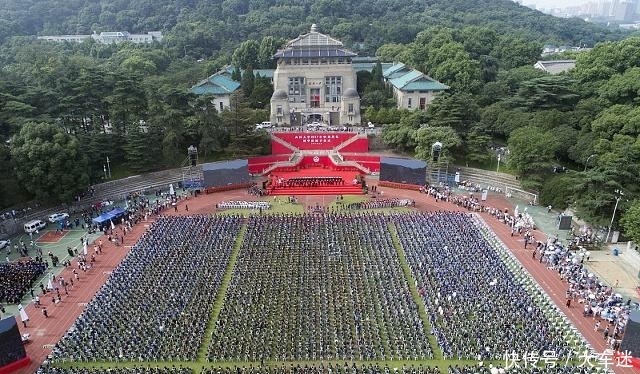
(114, 100)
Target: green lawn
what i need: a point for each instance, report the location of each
(279, 205)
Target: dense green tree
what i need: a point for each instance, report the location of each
(268, 47)
(392, 52)
(558, 191)
(261, 94)
(622, 88)
(476, 144)
(552, 91)
(399, 138)
(608, 59)
(426, 136)
(248, 82)
(48, 162)
(127, 103)
(630, 221)
(457, 111)
(247, 54)
(513, 51)
(531, 150)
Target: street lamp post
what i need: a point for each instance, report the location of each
(109, 167)
(498, 167)
(619, 195)
(104, 168)
(586, 163)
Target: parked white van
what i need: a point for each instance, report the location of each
(264, 125)
(33, 226)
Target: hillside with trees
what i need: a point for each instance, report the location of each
(66, 107)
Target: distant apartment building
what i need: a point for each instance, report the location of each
(609, 10)
(108, 37)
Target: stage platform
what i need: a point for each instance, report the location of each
(348, 188)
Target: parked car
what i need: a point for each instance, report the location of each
(264, 125)
(4, 243)
(55, 217)
(371, 125)
(34, 226)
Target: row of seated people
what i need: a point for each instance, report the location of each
(243, 205)
(310, 182)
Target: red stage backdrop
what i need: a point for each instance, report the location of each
(357, 146)
(279, 149)
(316, 161)
(317, 141)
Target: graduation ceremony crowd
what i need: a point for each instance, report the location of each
(381, 203)
(329, 368)
(319, 287)
(17, 277)
(157, 303)
(476, 308)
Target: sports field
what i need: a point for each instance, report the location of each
(330, 292)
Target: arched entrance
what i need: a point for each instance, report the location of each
(315, 117)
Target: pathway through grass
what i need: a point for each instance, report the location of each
(217, 305)
(422, 312)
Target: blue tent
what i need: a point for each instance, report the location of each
(115, 213)
(104, 217)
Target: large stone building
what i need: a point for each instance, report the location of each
(315, 82)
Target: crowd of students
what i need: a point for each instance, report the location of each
(17, 277)
(381, 203)
(476, 308)
(318, 287)
(157, 303)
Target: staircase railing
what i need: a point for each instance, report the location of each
(284, 142)
(349, 141)
(293, 161)
(338, 160)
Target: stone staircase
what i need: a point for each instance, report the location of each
(338, 160)
(293, 161)
(488, 179)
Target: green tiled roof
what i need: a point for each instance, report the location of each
(267, 73)
(216, 84)
(393, 69)
(426, 86)
(414, 80)
(368, 66)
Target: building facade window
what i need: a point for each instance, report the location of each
(314, 101)
(350, 108)
(221, 106)
(423, 103)
(279, 110)
(409, 103)
(297, 89)
(333, 89)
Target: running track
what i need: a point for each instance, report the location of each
(46, 332)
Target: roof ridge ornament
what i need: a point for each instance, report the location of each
(314, 28)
